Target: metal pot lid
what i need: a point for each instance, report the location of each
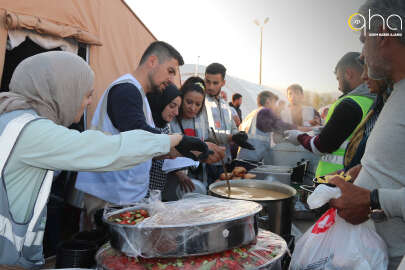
(257, 184)
(273, 169)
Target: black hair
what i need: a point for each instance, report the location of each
(159, 100)
(163, 51)
(350, 59)
(236, 96)
(263, 96)
(216, 68)
(195, 84)
(194, 79)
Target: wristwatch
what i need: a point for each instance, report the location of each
(376, 213)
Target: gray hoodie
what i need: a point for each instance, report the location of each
(362, 90)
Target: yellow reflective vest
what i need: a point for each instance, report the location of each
(334, 161)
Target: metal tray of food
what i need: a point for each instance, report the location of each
(266, 253)
(188, 227)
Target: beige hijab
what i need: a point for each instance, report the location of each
(52, 83)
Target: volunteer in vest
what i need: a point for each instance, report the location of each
(49, 92)
(218, 116)
(343, 117)
(124, 107)
(259, 124)
(191, 123)
(296, 113)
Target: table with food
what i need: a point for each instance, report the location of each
(196, 232)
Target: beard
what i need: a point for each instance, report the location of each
(378, 73)
(214, 94)
(378, 68)
(154, 87)
(346, 87)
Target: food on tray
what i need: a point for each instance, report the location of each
(266, 250)
(130, 217)
(224, 176)
(250, 193)
(325, 179)
(249, 176)
(237, 173)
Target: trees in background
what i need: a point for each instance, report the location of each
(319, 99)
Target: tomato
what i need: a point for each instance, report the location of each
(134, 267)
(126, 214)
(237, 257)
(143, 213)
(246, 257)
(219, 264)
(128, 217)
(188, 266)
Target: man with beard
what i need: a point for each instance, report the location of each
(379, 189)
(218, 117)
(343, 117)
(124, 107)
(235, 104)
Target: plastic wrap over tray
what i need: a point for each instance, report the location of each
(197, 224)
(265, 253)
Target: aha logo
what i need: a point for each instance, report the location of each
(358, 22)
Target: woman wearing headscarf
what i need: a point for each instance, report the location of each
(165, 107)
(49, 92)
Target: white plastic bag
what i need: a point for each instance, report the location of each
(332, 243)
(321, 195)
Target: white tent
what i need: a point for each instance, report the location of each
(248, 90)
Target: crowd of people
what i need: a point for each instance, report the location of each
(369, 142)
(143, 119)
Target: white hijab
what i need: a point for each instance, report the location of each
(52, 83)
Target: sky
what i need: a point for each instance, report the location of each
(302, 41)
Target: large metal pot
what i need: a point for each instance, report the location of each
(182, 240)
(287, 154)
(281, 174)
(276, 214)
